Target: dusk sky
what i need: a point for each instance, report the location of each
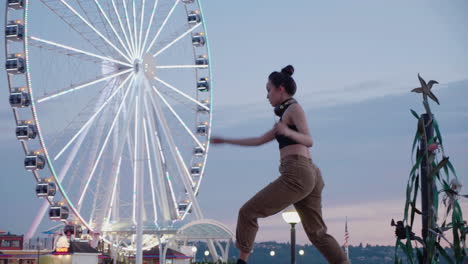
(356, 63)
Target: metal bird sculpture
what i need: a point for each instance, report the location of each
(425, 89)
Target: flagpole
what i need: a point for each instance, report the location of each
(346, 243)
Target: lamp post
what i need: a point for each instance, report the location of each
(207, 253)
(38, 245)
(291, 217)
(194, 254)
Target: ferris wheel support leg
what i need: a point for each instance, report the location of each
(139, 165)
(181, 167)
(165, 193)
(150, 174)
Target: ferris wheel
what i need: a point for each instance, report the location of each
(112, 101)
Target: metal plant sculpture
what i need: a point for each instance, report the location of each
(434, 175)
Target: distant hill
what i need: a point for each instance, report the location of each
(361, 254)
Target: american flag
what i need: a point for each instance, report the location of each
(346, 239)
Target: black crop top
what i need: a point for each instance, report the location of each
(283, 140)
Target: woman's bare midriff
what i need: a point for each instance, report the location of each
(296, 149)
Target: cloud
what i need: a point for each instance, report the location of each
(319, 99)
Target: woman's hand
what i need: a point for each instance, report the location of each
(280, 128)
(217, 140)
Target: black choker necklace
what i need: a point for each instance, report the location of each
(279, 110)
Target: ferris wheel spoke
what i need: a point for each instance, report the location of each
(95, 30)
(126, 47)
(73, 153)
(65, 47)
(185, 169)
(182, 93)
(89, 18)
(61, 176)
(124, 2)
(129, 43)
(108, 194)
(92, 118)
(150, 171)
(124, 136)
(162, 26)
(79, 86)
(106, 140)
(178, 118)
(114, 191)
(142, 15)
(149, 26)
(65, 14)
(177, 39)
(61, 51)
(182, 66)
(97, 198)
(92, 153)
(166, 191)
(180, 164)
(135, 28)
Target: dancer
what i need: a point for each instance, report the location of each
(300, 183)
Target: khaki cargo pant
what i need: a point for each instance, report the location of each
(300, 184)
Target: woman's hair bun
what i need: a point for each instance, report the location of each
(288, 70)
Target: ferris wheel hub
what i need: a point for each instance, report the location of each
(149, 66)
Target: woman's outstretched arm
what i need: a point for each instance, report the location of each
(255, 141)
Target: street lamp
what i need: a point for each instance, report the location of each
(194, 254)
(292, 217)
(272, 253)
(207, 253)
